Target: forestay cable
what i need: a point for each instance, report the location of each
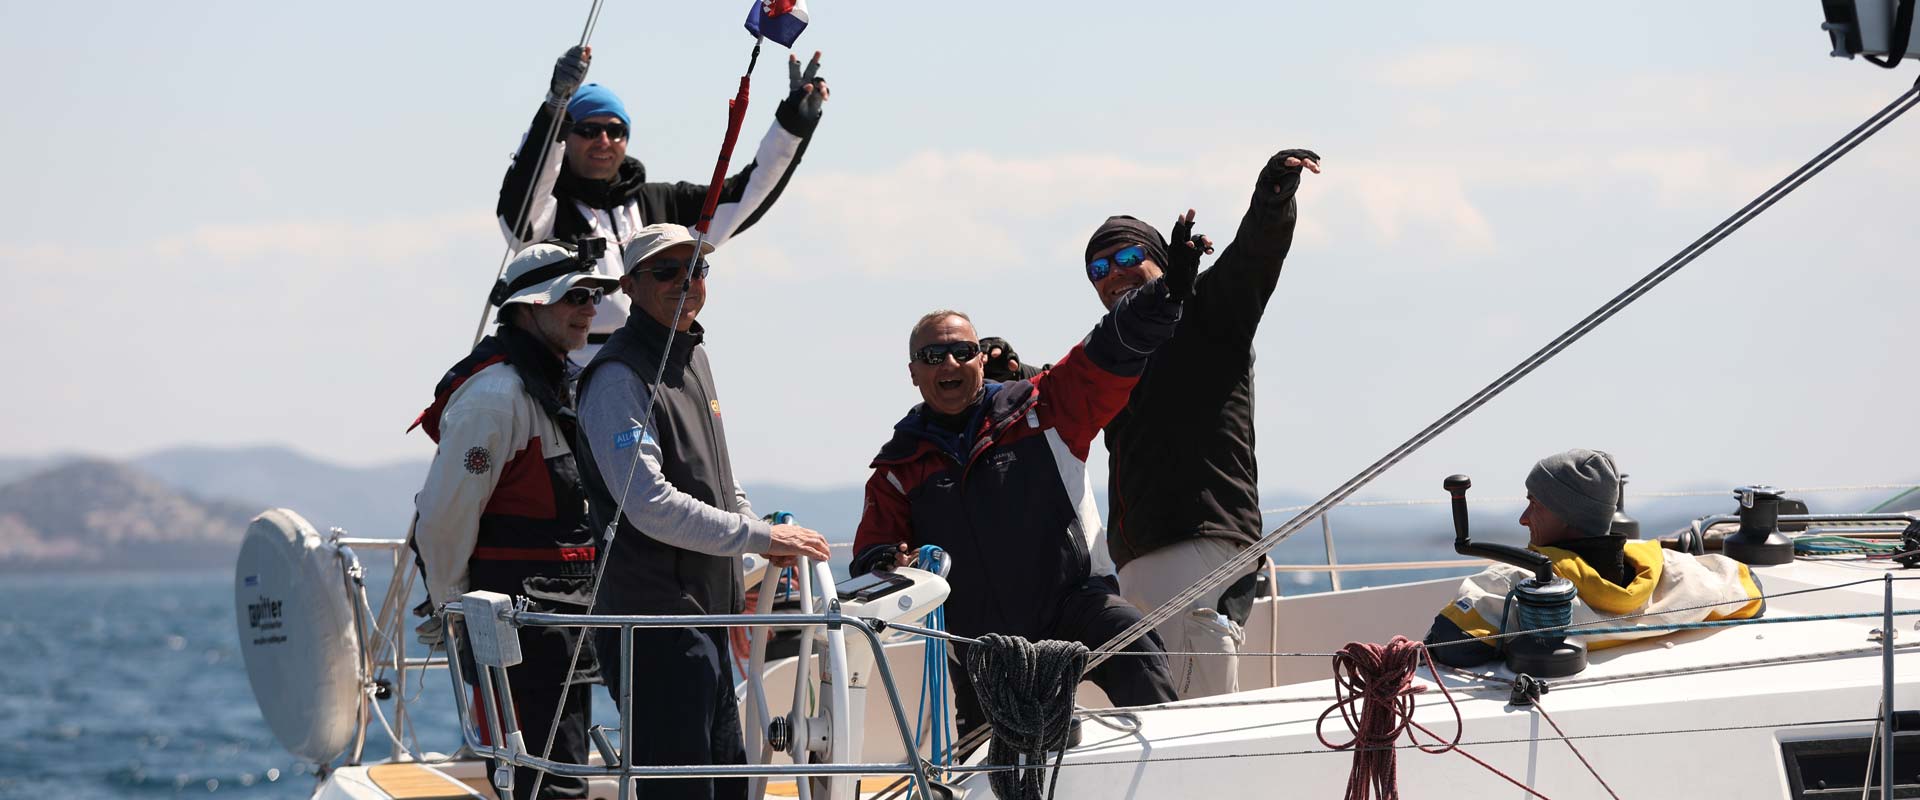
(1244, 561)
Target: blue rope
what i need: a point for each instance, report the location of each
(933, 718)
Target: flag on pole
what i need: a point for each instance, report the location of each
(779, 20)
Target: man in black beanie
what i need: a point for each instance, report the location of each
(1183, 485)
(1571, 498)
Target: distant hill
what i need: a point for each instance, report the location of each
(70, 512)
(90, 514)
(373, 501)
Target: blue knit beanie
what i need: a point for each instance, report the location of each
(594, 100)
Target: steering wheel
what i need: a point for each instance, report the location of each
(825, 734)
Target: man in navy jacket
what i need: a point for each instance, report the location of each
(995, 474)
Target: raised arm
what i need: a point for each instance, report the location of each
(1231, 297)
(747, 195)
(1083, 392)
(525, 217)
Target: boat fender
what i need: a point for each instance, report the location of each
(296, 626)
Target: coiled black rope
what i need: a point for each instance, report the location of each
(1027, 690)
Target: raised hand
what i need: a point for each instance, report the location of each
(1003, 364)
(569, 71)
(807, 95)
(1183, 257)
(1280, 178)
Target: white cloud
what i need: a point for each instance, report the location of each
(1444, 67)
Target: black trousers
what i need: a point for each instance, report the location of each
(1091, 615)
(684, 711)
(537, 682)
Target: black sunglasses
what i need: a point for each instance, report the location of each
(934, 355)
(591, 130)
(667, 269)
(581, 296)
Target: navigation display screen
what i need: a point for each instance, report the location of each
(871, 585)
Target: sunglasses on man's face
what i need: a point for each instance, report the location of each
(666, 269)
(591, 130)
(1127, 258)
(934, 355)
(583, 296)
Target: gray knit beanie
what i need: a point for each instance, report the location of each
(1580, 486)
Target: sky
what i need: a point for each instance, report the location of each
(241, 223)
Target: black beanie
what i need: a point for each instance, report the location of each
(1127, 230)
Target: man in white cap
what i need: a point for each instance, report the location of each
(503, 508)
(1571, 498)
(660, 462)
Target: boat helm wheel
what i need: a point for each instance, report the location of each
(816, 728)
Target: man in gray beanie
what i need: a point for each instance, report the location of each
(1571, 498)
(1570, 503)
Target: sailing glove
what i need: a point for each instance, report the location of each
(1279, 181)
(1183, 259)
(432, 633)
(800, 113)
(1004, 366)
(568, 72)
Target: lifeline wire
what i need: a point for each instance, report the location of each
(539, 166)
(1239, 564)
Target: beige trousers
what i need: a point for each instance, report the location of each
(1151, 580)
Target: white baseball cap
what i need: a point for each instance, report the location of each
(656, 239)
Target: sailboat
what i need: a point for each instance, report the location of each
(1804, 701)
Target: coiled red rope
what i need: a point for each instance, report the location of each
(1374, 693)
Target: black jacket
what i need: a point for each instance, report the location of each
(555, 215)
(1180, 455)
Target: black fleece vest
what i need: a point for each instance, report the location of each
(645, 575)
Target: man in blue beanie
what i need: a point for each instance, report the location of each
(589, 187)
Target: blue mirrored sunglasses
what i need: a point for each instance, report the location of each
(1127, 258)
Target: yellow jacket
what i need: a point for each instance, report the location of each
(1668, 586)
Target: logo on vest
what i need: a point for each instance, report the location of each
(715, 405)
(479, 460)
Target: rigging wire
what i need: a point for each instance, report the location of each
(1238, 565)
(539, 166)
(1246, 558)
(736, 111)
(1111, 762)
(1576, 751)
